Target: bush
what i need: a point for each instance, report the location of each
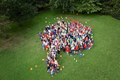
(116, 10)
(116, 14)
(44, 7)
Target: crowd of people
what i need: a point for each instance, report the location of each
(71, 38)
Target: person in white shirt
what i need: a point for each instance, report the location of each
(56, 62)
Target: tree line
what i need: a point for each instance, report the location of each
(111, 7)
(19, 10)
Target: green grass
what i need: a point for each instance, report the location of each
(21, 52)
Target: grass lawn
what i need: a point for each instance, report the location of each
(21, 52)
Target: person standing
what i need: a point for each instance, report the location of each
(52, 72)
(48, 68)
(67, 49)
(70, 52)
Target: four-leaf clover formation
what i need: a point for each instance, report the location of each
(71, 37)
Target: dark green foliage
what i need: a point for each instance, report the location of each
(2, 8)
(41, 2)
(63, 5)
(89, 6)
(116, 10)
(4, 31)
(19, 10)
(107, 6)
(4, 28)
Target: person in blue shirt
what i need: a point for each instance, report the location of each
(80, 55)
(43, 45)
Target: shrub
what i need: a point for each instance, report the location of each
(116, 10)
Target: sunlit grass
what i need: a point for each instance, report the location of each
(102, 62)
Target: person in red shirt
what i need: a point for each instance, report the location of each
(67, 49)
(47, 46)
(53, 27)
(85, 45)
(45, 35)
(86, 39)
(76, 47)
(50, 39)
(51, 33)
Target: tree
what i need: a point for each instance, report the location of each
(2, 7)
(88, 6)
(19, 10)
(64, 5)
(116, 10)
(107, 6)
(41, 2)
(4, 28)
